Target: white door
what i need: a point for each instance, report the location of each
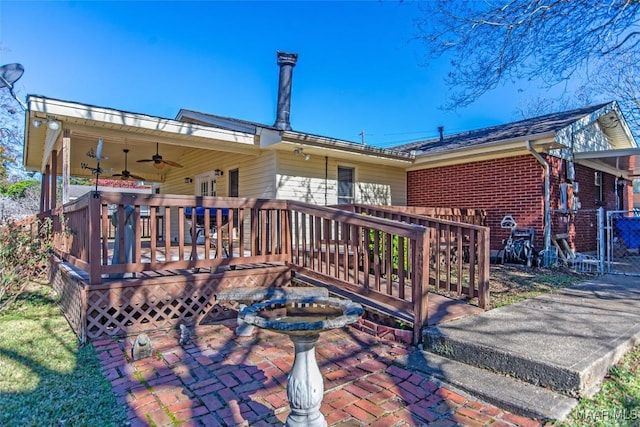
(206, 184)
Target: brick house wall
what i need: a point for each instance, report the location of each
(582, 226)
(508, 186)
(515, 186)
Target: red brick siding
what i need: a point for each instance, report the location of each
(582, 227)
(515, 186)
(510, 186)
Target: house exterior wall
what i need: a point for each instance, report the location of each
(256, 175)
(582, 225)
(515, 186)
(314, 180)
(282, 175)
(507, 186)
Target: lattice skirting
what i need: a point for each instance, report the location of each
(70, 289)
(132, 306)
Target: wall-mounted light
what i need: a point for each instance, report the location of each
(299, 152)
(218, 172)
(620, 182)
(188, 180)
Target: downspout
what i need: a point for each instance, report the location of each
(547, 199)
(326, 178)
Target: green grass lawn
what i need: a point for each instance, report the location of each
(46, 377)
(617, 403)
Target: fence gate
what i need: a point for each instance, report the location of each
(623, 242)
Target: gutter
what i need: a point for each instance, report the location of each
(547, 196)
(324, 142)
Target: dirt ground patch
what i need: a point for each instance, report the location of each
(510, 284)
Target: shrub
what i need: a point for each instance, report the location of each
(23, 257)
(19, 189)
(394, 248)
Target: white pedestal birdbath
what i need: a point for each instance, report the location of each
(303, 319)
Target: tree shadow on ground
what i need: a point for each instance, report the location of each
(46, 378)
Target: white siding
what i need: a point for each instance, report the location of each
(305, 180)
(301, 180)
(283, 175)
(256, 175)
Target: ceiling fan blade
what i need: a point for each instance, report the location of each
(137, 177)
(158, 161)
(172, 163)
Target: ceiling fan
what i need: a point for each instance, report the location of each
(125, 173)
(159, 162)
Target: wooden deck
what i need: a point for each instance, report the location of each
(440, 308)
(390, 259)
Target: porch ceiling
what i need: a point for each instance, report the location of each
(622, 161)
(119, 130)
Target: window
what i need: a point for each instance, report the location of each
(598, 186)
(345, 185)
(234, 191)
(233, 183)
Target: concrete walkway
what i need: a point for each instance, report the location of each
(565, 341)
(218, 379)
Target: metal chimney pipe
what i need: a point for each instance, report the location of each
(286, 61)
(441, 131)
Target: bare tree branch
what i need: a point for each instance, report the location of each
(492, 42)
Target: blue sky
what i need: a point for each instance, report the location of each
(359, 65)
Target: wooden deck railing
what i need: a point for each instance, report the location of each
(32, 224)
(467, 216)
(378, 258)
(458, 252)
(145, 226)
(388, 256)
(238, 231)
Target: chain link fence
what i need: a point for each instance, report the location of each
(578, 241)
(623, 242)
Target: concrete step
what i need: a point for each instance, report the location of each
(565, 341)
(507, 393)
(535, 372)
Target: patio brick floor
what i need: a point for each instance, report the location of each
(218, 379)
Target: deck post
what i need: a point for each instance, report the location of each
(95, 267)
(66, 165)
(286, 227)
(44, 188)
(54, 177)
(483, 269)
(420, 285)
